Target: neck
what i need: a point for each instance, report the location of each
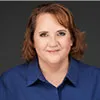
(50, 68)
(54, 73)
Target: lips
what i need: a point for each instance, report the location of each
(52, 50)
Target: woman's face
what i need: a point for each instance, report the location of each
(52, 41)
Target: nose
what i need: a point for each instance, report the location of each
(53, 42)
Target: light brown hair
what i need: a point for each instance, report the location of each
(65, 18)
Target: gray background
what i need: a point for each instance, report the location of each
(13, 20)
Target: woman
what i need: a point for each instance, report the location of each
(53, 48)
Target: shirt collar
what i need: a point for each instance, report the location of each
(73, 71)
(34, 73)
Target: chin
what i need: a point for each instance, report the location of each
(54, 61)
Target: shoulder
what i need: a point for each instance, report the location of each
(83, 67)
(13, 75)
(10, 77)
(87, 72)
(89, 78)
(14, 71)
(88, 68)
(91, 75)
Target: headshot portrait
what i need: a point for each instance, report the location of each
(55, 59)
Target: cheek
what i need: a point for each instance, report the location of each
(39, 44)
(67, 46)
(66, 43)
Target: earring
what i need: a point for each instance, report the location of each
(71, 44)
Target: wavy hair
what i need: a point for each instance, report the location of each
(65, 18)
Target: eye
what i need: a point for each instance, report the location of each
(61, 34)
(43, 34)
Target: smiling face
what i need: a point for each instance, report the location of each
(52, 41)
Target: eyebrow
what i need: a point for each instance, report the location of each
(62, 30)
(43, 32)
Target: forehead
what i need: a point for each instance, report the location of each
(59, 19)
(46, 17)
(48, 22)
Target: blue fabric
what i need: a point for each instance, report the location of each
(26, 82)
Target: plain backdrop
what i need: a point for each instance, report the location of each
(13, 19)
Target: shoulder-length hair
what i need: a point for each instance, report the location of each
(65, 18)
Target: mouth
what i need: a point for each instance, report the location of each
(52, 51)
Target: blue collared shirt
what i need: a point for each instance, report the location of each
(26, 82)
